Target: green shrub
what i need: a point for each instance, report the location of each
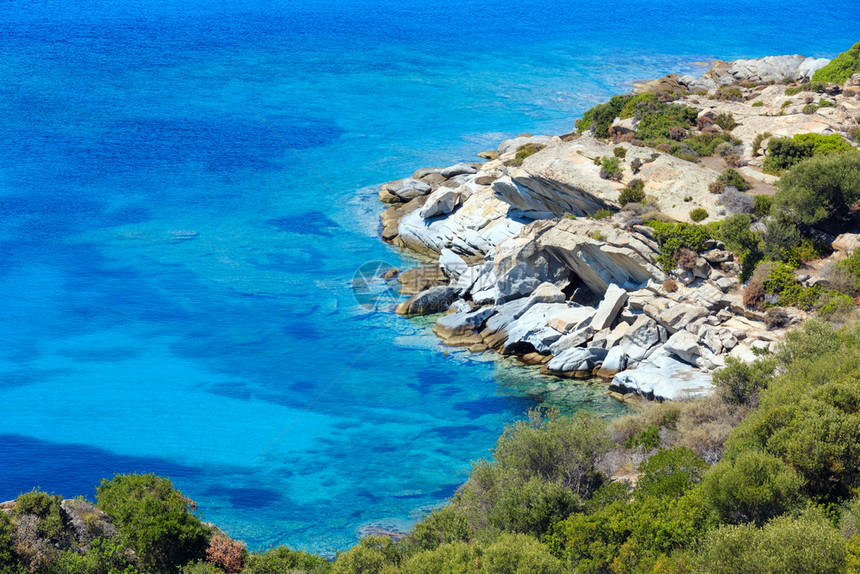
(809, 109)
(601, 214)
(783, 153)
(44, 506)
(440, 527)
(822, 103)
(673, 236)
(805, 87)
(656, 123)
(840, 68)
(809, 544)
(757, 104)
(555, 448)
(200, 568)
(7, 545)
(726, 121)
(153, 519)
(851, 266)
(735, 233)
(820, 187)
(724, 149)
(638, 104)
(733, 178)
(648, 438)
(753, 487)
(728, 93)
(706, 144)
(600, 117)
(671, 472)
(525, 151)
(283, 559)
(781, 237)
(809, 415)
(610, 168)
(633, 193)
(740, 383)
(698, 214)
(498, 498)
(619, 152)
(763, 204)
(542, 468)
(835, 306)
(506, 554)
(630, 536)
(368, 557)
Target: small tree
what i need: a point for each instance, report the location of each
(820, 187)
(154, 519)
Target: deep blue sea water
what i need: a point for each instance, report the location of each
(185, 196)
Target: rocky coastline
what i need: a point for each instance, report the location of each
(533, 252)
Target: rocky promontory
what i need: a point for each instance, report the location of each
(556, 249)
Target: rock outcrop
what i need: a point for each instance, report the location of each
(527, 271)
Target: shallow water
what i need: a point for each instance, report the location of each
(185, 197)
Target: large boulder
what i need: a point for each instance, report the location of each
(433, 300)
(685, 346)
(577, 362)
(462, 328)
(409, 188)
(614, 362)
(440, 202)
(459, 169)
(531, 331)
(613, 300)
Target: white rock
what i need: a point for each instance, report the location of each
(440, 202)
(458, 169)
(613, 300)
(684, 345)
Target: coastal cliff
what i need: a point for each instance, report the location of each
(581, 253)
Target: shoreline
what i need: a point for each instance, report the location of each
(522, 267)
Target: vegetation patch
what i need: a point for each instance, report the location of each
(783, 153)
(840, 68)
(525, 151)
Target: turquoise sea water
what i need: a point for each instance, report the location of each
(185, 196)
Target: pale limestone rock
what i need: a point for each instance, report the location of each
(440, 202)
(459, 169)
(613, 300)
(577, 361)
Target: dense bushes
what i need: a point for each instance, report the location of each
(809, 544)
(154, 519)
(672, 237)
(783, 153)
(658, 121)
(752, 487)
(819, 188)
(840, 68)
(283, 559)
